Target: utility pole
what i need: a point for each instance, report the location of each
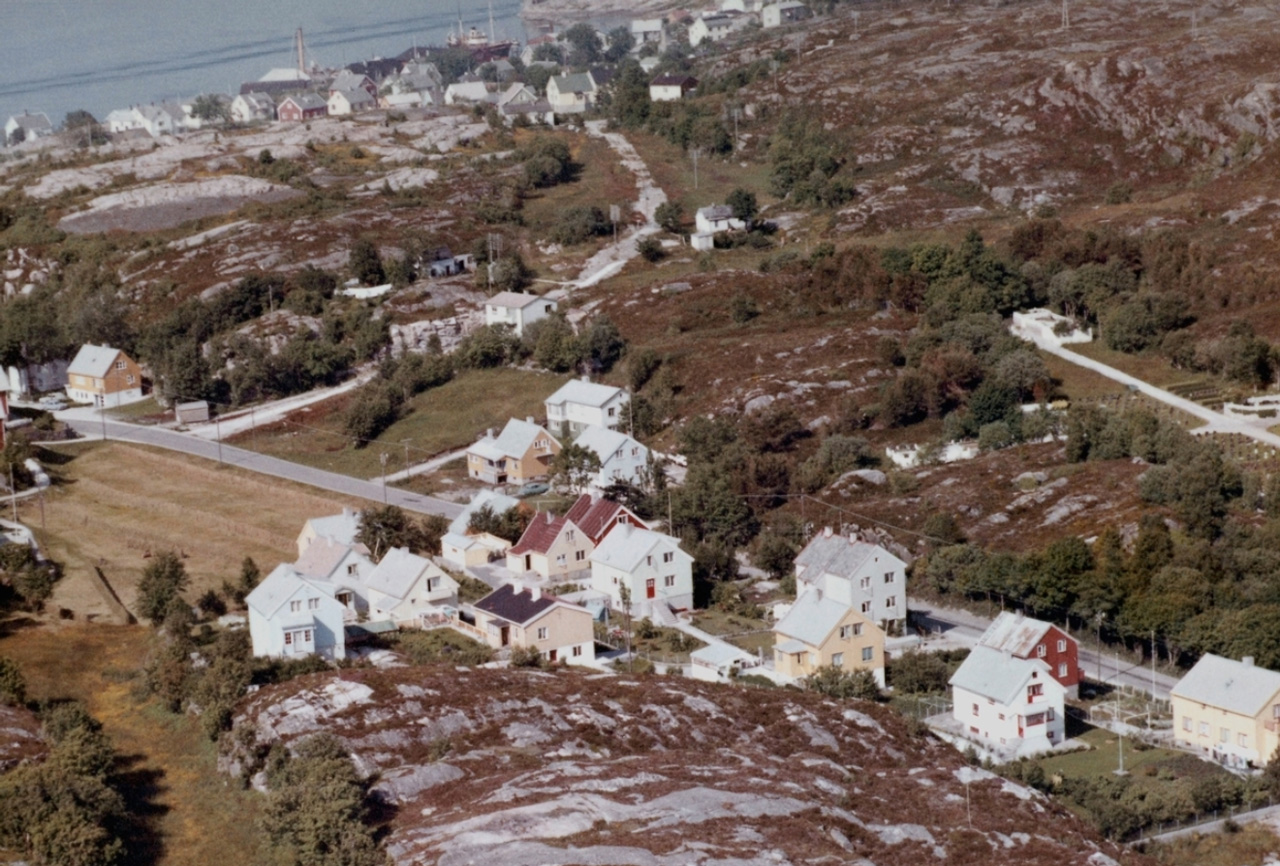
(405, 443)
(13, 494)
(217, 426)
(695, 152)
(1153, 664)
(615, 213)
(383, 458)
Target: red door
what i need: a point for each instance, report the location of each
(649, 588)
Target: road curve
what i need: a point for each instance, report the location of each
(261, 463)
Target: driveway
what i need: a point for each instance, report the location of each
(89, 424)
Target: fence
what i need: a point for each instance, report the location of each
(1246, 812)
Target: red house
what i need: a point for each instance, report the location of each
(302, 106)
(595, 516)
(1026, 638)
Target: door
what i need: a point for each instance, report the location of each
(505, 636)
(551, 655)
(650, 589)
(528, 562)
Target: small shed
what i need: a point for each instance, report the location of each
(194, 412)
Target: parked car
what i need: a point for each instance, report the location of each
(532, 488)
(53, 403)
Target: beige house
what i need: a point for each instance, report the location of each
(515, 617)
(819, 632)
(552, 548)
(1228, 710)
(522, 451)
(104, 377)
(405, 588)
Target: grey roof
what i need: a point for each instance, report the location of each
(514, 605)
(720, 654)
(278, 587)
(93, 361)
(574, 82)
(997, 675)
(583, 393)
(499, 502)
(604, 442)
(716, 212)
(358, 96)
(626, 545)
(841, 555)
(513, 300)
(515, 440)
(306, 101)
(323, 555)
(33, 122)
(812, 618)
(1230, 685)
(1014, 633)
(399, 571)
(348, 80)
(342, 528)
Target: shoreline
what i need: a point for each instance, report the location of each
(605, 13)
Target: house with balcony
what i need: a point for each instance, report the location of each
(649, 565)
(406, 588)
(1010, 706)
(523, 451)
(1228, 711)
(580, 403)
(857, 573)
(527, 618)
(1029, 638)
(820, 631)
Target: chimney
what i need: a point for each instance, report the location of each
(488, 433)
(586, 378)
(826, 532)
(1247, 661)
(528, 419)
(536, 592)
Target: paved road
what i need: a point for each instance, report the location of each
(963, 628)
(91, 428)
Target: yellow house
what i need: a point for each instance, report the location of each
(522, 451)
(1228, 710)
(531, 619)
(104, 377)
(551, 547)
(819, 631)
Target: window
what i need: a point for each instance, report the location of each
(635, 451)
(612, 411)
(857, 628)
(888, 577)
(306, 635)
(579, 555)
(648, 560)
(618, 453)
(975, 709)
(846, 632)
(560, 560)
(542, 633)
(546, 308)
(866, 607)
(1035, 719)
(119, 365)
(1035, 690)
(891, 601)
(668, 556)
(1186, 723)
(1224, 735)
(1062, 645)
(1041, 651)
(669, 581)
(313, 604)
(433, 583)
(568, 535)
(577, 651)
(1000, 716)
(295, 606)
(865, 583)
(837, 659)
(129, 379)
(1204, 729)
(1062, 669)
(288, 638)
(1243, 741)
(353, 568)
(1048, 715)
(868, 653)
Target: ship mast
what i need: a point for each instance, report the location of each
(300, 50)
(493, 36)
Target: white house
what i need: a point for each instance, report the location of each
(341, 527)
(650, 564)
(715, 663)
(404, 587)
(671, 88)
(252, 107)
(344, 102)
(647, 30)
(1013, 706)
(786, 12)
(717, 218)
(856, 573)
(464, 92)
(517, 309)
(621, 457)
(571, 93)
(716, 26)
(158, 120)
(579, 404)
(293, 616)
(33, 126)
(346, 81)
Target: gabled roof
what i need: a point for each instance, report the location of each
(595, 516)
(513, 300)
(1234, 686)
(342, 527)
(357, 96)
(1015, 633)
(93, 361)
(29, 122)
(285, 73)
(540, 534)
(716, 212)
(258, 100)
(721, 654)
(348, 80)
(997, 675)
(584, 394)
(813, 617)
(499, 502)
(518, 437)
(841, 555)
(685, 81)
(519, 606)
(472, 90)
(626, 546)
(517, 90)
(278, 587)
(604, 442)
(323, 555)
(399, 571)
(574, 82)
(306, 101)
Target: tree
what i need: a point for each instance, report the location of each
(384, 527)
(163, 582)
(365, 263)
(555, 345)
(833, 682)
(620, 44)
(650, 249)
(210, 109)
(916, 672)
(508, 525)
(574, 468)
(744, 206)
(585, 44)
(670, 215)
(602, 344)
(13, 688)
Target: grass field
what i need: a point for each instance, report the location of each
(194, 815)
(1251, 846)
(1103, 757)
(451, 416)
(1149, 368)
(114, 505)
(672, 169)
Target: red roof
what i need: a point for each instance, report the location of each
(539, 534)
(596, 516)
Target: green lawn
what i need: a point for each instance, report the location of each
(445, 418)
(1104, 757)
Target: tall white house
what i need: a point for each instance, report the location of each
(857, 573)
(291, 616)
(1012, 705)
(622, 459)
(580, 404)
(517, 309)
(650, 564)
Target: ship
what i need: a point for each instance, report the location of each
(483, 46)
